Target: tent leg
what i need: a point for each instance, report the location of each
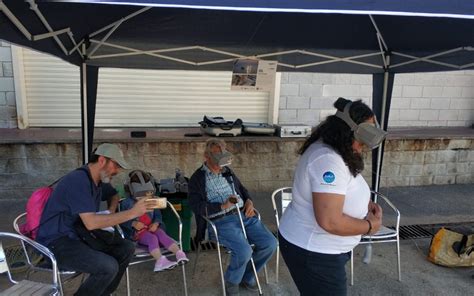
(89, 79)
(382, 122)
(381, 105)
(84, 113)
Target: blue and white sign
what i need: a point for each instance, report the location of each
(329, 177)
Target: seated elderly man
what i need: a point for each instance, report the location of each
(214, 190)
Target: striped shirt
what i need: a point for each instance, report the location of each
(218, 190)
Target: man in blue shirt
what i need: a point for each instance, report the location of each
(215, 191)
(76, 197)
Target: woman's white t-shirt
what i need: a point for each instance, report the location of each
(322, 169)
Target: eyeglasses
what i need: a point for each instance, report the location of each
(116, 165)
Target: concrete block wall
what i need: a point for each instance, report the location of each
(422, 99)
(428, 162)
(8, 115)
(261, 165)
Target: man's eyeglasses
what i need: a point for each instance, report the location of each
(116, 165)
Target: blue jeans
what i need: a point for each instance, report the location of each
(105, 269)
(315, 273)
(231, 236)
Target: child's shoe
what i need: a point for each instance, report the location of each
(163, 264)
(181, 258)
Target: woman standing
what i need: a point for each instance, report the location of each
(331, 205)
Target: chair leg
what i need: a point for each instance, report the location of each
(184, 281)
(266, 274)
(60, 282)
(398, 260)
(277, 263)
(127, 277)
(352, 267)
(220, 267)
(83, 277)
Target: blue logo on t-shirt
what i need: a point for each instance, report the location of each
(329, 177)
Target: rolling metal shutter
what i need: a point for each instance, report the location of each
(134, 97)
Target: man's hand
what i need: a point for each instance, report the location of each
(142, 206)
(138, 225)
(153, 227)
(249, 209)
(230, 202)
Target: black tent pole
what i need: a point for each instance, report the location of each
(382, 87)
(89, 77)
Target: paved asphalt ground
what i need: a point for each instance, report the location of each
(438, 205)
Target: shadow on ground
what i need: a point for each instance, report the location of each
(418, 205)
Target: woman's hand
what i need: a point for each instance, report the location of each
(328, 212)
(374, 216)
(153, 227)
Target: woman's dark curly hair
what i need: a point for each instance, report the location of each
(337, 134)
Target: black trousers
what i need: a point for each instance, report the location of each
(105, 269)
(315, 273)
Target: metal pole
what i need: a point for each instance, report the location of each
(245, 235)
(85, 120)
(382, 123)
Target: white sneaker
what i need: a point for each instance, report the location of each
(163, 264)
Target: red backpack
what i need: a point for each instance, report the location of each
(34, 209)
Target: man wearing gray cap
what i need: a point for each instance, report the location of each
(76, 198)
(217, 193)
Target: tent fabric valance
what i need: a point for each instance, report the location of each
(169, 37)
(442, 8)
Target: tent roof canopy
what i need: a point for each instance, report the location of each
(305, 36)
(442, 8)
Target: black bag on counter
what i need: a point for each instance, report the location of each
(218, 126)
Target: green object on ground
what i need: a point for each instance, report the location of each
(121, 191)
(181, 205)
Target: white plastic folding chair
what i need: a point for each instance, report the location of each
(64, 276)
(384, 235)
(279, 206)
(219, 254)
(27, 287)
(142, 255)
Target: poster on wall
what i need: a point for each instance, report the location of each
(253, 75)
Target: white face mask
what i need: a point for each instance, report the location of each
(222, 159)
(104, 177)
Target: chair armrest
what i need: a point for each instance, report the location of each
(257, 213)
(120, 231)
(387, 201)
(391, 205)
(179, 222)
(213, 226)
(42, 249)
(16, 222)
(274, 204)
(170, 205)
